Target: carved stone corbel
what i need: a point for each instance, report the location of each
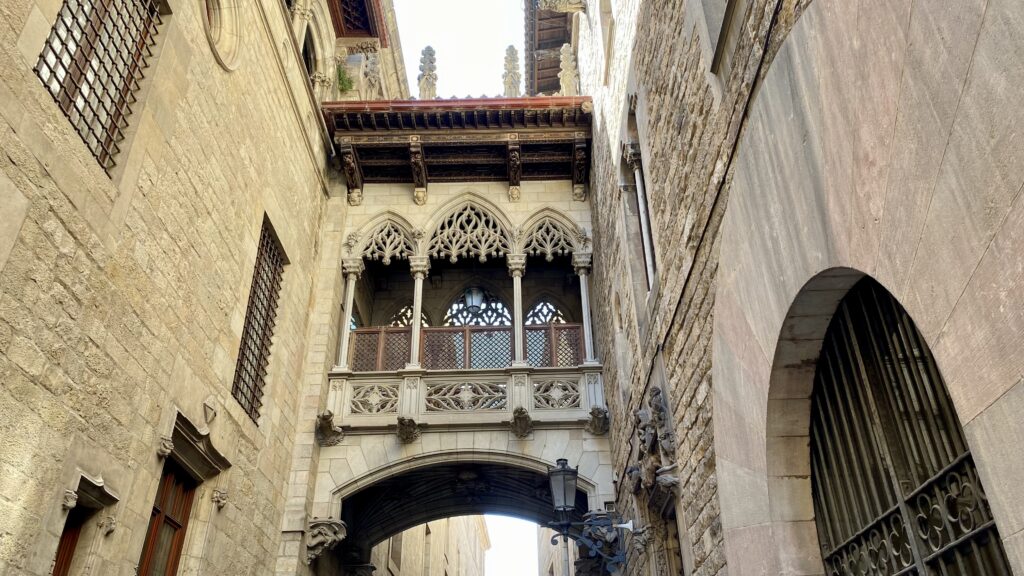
(327, 434)
(641, 539)
(219, 498)
(69, 500)
(580, 167)
(323, 534)
(599, 422)
(408, 431)
(166, 447)
(515, 171)
(107, 525)
(522, 423)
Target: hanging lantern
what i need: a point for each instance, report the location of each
(563, 486)
(474, 299)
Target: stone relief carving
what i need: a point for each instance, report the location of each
(568, 75)
(514, 193)
(512, 77)
(388, 242)
(467, 396)
(70, 499)
(323, 534)
(469, 232)
(327, 434)
(107, 525)
(365, 47)
(599, 422)
(662, 422)
(371, 75)
(219, 498)
(556, 394)
(641, 539)
(374, 399)
(654, 470)
(522, 424)
(166, 447)
(568, 6)
(428, 74)
(408, 431)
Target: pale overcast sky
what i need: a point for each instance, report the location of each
(469, 37)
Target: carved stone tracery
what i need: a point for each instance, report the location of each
(387, 242)
(550, 238)
(470, 231)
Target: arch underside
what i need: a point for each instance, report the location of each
(443, 490)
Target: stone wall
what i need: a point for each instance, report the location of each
(122, 297)
(457, 547)
(687, 123)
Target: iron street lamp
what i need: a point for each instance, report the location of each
(474, 297)
(599, 534)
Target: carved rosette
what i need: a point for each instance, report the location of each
(323, 534)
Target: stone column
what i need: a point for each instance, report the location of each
(631, 154)
(516, 269)
(352, 268)
(419, 265)
(582, 262)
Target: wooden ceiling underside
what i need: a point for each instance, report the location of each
(476, 140)
(546, 32)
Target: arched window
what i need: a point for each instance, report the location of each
(309, 53)
(490, 312)
(544, 312)
(403, 317)
(895, 488)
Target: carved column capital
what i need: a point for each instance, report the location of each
(631, 155)
(516, 265)
(582, 262)
(353, 266)
(419, 266)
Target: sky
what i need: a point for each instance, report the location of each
(513, 547)
(469, 37)
(470, 53)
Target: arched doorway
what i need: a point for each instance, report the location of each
(894, 486)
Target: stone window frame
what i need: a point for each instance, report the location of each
(90, 497)
(222, 24)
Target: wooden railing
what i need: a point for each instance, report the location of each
(385, 349)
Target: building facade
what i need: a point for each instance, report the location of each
(754, 267)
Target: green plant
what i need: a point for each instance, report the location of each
(345, 82)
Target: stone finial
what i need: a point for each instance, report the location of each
(327, 434)
(522, 424)
(566, 6)
(568, 75)
(512, 76)
(428, 75)
(323, 534)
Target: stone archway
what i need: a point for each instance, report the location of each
(871, 148)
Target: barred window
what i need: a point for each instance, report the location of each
(254, 352)
(92, 64)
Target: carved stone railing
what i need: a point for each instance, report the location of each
(466, 397)
(385, 349)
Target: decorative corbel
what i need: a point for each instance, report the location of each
(353, 174)
(69, 500)
(522, 424)
(107, 525)
(641, 539)
(515, 171)
(580, 168)
(408, 431)
(219, 498)
(631, 155)
(327, 434)
(599, 423)
(419, 174)
(323, 534)
(166, 447)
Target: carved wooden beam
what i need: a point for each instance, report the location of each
(353, 174)
(515, 170)
(580, 168)
(419, 173)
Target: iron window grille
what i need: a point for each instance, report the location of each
(894, 486)
(258, 329)
(92, 64)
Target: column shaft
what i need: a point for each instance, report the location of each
(350, 288)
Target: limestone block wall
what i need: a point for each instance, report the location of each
(122, 296)
(453, 546)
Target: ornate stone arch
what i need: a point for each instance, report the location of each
(387, 237)
(550, 233)
(469, 226)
